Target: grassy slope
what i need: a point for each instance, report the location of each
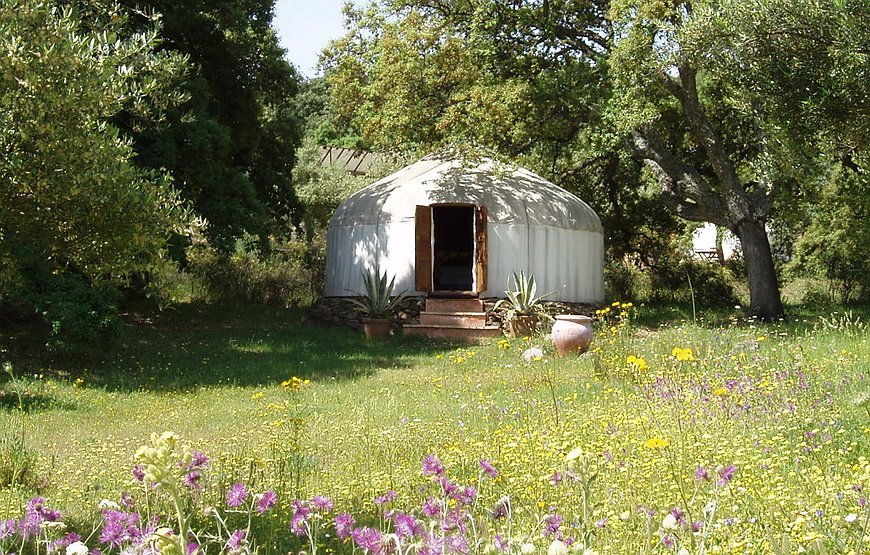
(373, 410)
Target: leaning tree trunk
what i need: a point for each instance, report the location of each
(764, 297)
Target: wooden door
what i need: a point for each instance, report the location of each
(423, 249)
(480, 259)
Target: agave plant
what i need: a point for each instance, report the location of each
(377, 301)
(522, 296)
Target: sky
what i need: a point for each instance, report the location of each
(305, 27)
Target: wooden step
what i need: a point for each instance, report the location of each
(452, 332)
(461, 319)
(442, 304)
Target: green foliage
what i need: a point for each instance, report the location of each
(291, 273)
(322, 188)
(807, 62)
(83, 316)
(673, 279)
(377, 299)
(76, 216)
(69, 190)
(231, 146)
(835, 243)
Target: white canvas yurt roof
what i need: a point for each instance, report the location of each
(532, 225)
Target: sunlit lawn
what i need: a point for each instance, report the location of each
(754, 438)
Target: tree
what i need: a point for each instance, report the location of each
(231, 147)
(573, 82)
(836, 240)
(722, 68)
(71, 200)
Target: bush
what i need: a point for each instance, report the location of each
(82, 316)
(620, 280)
(710, 283)
(290, 274)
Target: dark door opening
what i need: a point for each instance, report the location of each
(453, 252)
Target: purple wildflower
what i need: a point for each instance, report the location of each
(367, 539)
(322, 503)
(701, 473)
(139, 473)
(448, 486)
(266, 501)
(552, 524)
(406, 525)
(237, 495)
(433, 544)
(299, 522)
(431, 508)
(344, 523)
(198, 460)
(500, 544)
(502, 508)
(37, 506)
(487, 467)
(697, 525)
(457, 543)
(601, 523)
(191, 480)
(668, 541)
(678, 515)
(555, 479)
(466, 495)
(726, 474)
(432, 466)
(127, 500)
(7, 528)
(386, 498)
(192, 548)
(119, 528)
(236, 539)
(61, 544)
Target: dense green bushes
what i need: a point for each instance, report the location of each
(290, 273)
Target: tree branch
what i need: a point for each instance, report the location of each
(684, 190)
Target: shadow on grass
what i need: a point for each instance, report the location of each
(196, 346)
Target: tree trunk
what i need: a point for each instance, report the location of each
(764, 298)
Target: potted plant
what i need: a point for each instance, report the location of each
(377, 302)
(524, 309)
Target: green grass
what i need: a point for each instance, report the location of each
(371, 411)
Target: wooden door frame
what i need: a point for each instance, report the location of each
(424, 238)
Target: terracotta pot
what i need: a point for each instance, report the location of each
(376, 328)
(523, 325)
(572, 334)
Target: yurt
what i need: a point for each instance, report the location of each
(446, 226)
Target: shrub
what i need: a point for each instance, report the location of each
(710, 283)
(82, 316)
(291, 273)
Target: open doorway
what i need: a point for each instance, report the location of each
(453, 248)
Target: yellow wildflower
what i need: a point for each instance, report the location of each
(294, 384)
(656, 443)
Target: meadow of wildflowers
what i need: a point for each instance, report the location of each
(680, 439)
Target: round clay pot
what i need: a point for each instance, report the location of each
(376, 328)
(572, 334)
